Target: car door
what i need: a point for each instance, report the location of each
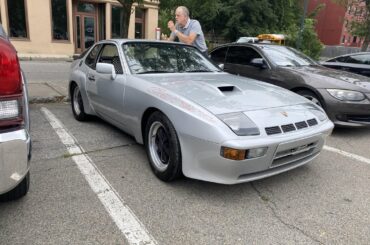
(239, 62)
(90, 71)
(110, 90)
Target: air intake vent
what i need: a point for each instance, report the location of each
(273, 130)
(288, 128)
(300, 125)
(312, 122)
(226, 88)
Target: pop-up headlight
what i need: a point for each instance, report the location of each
(240, 124)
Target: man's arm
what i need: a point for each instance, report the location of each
(182, 37)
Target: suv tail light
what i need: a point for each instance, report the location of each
(10, 87)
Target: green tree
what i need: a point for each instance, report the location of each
(359, 27)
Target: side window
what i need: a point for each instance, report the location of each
(341, 59)
(91, 57)
(241, 55)
(109, 55)
(219, 55)
(359, 59)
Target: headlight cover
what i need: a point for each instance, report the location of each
(346, 95)
(317, 111)
(240, 124)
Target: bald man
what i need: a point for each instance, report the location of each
(187, 30)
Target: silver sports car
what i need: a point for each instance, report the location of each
(193, 118)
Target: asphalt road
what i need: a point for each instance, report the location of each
(324, 202)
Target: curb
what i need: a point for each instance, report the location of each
(44, 100)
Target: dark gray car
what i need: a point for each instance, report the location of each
(357, 63)
(345, 96)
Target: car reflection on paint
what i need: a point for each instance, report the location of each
(193, 118)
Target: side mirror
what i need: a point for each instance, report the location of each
(222, 66)
(259, 62)
(104, 68)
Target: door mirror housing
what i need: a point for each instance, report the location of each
(222, 66)
(259, 62)
(105, 68)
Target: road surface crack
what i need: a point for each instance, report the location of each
(272, 206)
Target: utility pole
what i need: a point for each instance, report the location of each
(299, 39)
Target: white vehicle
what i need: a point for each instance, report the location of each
(193, 118)
(15, 141)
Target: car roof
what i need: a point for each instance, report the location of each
(121, 41)
(257, 45)
(345, 55)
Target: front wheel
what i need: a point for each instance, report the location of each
(77, 104)
(163, 147)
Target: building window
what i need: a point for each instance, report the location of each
(354, 39)
(117, 28)
(17, 19)
(343, 39)
(139, 23)
(59, 19)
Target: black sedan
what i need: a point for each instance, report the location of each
(357, 63)
(345, 96)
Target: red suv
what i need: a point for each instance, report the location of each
(15, 141)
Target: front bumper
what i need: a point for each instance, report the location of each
(202, 160)
(347, 114)
(14, 158)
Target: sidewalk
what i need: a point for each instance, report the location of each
(47, 92)
(47, 77)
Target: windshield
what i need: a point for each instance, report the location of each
(146, 57)
(284, 56)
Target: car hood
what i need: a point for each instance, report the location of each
(324, 77)
(224, 93)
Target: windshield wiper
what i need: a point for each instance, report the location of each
(148, 72)
(199, 71)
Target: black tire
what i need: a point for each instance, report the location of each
(163, 147)
(19, 191)
(77, 104)
(310, 96)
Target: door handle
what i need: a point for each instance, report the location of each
(91, 77)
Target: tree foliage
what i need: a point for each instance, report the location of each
(231, 19)
(359, 27)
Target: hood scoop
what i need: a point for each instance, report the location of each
(228, 88)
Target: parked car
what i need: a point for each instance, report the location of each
(193, 118)
(247, 40)
(15, 141)
(357, 63)
(344, 96)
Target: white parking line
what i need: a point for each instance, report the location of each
(125, 219)
(347, 154)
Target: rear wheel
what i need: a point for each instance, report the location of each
(77, 104)
(310, 96)
(163, 147)
(19, 191)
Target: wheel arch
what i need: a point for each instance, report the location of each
(311, 90)
(144, 120)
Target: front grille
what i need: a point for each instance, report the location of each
(273, 130)
(293, 154)
(312, 122)
(300, 125)
(290, 127)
